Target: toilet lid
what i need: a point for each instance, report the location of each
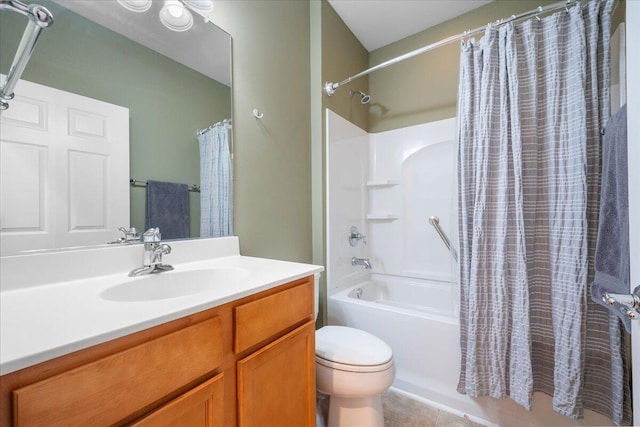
(351, 346)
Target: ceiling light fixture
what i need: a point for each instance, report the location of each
(135, 5)
(201, 6)
(175, 16)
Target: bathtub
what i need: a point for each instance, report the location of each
(410, 296)
(419, 320)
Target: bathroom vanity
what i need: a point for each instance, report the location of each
(239, 354)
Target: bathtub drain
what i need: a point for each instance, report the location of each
(359, 293)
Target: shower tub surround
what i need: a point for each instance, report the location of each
(388, 185)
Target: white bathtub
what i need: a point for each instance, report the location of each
(411, 296)
(419, 320)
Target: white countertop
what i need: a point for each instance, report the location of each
(47, 320)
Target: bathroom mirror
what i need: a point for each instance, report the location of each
(173, 83)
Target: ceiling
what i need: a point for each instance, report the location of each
(377, 23)
(191, 48)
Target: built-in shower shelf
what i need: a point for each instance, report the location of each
(382, 216)
(383, 183)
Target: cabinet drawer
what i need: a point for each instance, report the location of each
(264, 318)
(107, 390)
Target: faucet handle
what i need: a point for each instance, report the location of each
(152, 235)
(130, 235)
(355, 235)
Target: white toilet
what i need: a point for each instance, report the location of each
(353, 368)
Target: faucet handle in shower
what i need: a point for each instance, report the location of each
(354, 236)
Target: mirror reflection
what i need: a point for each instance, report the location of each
(169, 85)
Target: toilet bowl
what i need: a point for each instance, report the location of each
(353, 368)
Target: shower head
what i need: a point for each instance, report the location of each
(364, 98)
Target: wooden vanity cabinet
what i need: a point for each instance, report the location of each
(249, 362)
(276, 382)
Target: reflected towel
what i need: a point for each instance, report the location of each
(168, 209)
(612, 247)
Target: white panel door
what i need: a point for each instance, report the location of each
(633, 134)
(64, 177)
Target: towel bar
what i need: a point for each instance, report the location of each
(137, 183)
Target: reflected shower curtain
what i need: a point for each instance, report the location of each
(216, 201)
(532, 99)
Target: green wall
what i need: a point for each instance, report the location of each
(343, 56)
(272, 155)
(167, 102)
(279, 160)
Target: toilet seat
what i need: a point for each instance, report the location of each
(354, 368)
(353, 350)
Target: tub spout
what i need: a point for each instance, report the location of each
(361, 261)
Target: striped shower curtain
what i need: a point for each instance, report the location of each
(216, 189)
(532, 100)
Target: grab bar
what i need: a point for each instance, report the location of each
(435, 221)
(39, 18)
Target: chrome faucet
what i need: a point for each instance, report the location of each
(153, 251)
(361, 261)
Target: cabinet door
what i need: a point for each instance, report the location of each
(276, 384)
(202, 406)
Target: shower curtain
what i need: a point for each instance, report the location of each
(532, 100)
(216, 201)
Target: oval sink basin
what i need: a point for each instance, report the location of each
(173, 284)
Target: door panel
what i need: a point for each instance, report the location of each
(64, 175)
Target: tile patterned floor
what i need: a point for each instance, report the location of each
(402, 411)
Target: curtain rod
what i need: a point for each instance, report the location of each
(221, 122)
(330, 88)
